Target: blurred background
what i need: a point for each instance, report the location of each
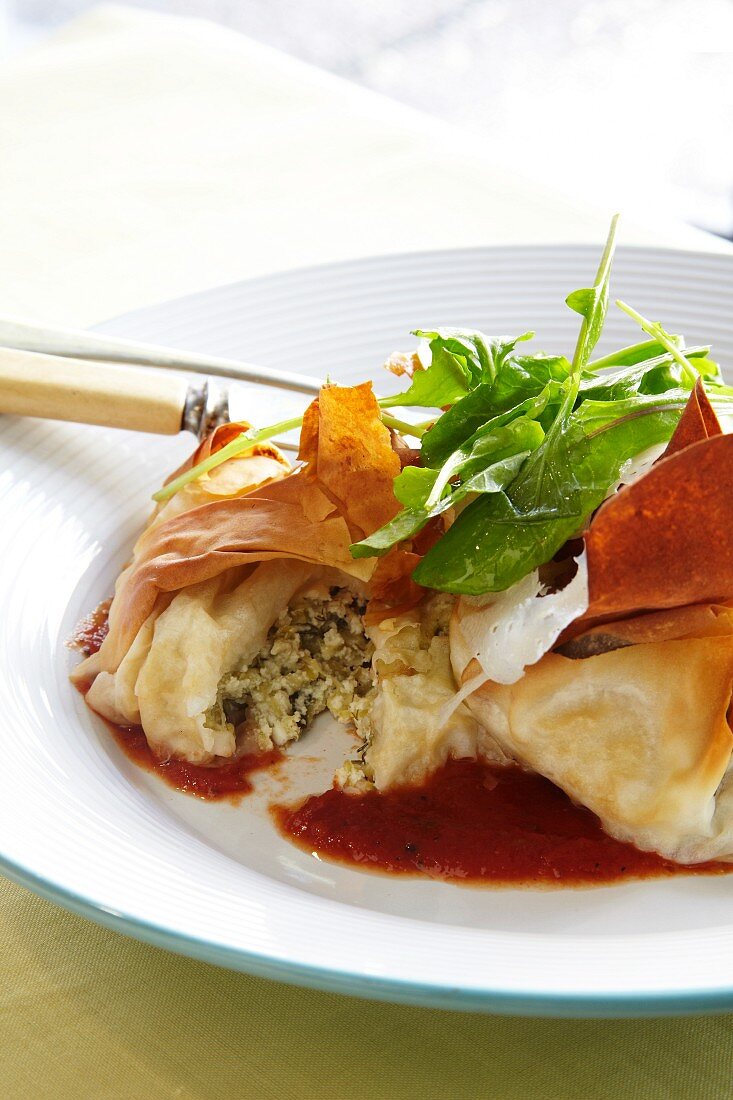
(652, 126)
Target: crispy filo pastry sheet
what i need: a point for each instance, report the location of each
(219, 562)
(636, 729)
(629, 713)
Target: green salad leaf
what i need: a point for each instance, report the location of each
(462, 453)
(404, 525)
(499, 439)
(518, 381)
(669, 342)
(412, 486)
(656, 374)
(487, 464)
(447, 379)
(638, 353)
(538, 485)
(498, 539)
(460, 360)
(483, 357)
(592, 303)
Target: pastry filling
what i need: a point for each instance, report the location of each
(316, 658)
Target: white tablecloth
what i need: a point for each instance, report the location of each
(142, 157)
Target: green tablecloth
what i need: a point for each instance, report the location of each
(89, 1014)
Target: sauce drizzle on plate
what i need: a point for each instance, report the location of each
(474, 823)
(228, 778)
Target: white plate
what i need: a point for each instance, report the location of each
(81, 825)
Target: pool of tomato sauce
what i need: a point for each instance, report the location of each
(470, 822)
(225, 779)
(473, 823)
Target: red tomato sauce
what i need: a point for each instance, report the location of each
(92, 630)
(228, 778)
(472, 823)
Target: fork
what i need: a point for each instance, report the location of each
(65, 374)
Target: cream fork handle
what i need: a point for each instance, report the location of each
(52, 387)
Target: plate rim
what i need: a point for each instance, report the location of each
(553, 1005)
(652, 252)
